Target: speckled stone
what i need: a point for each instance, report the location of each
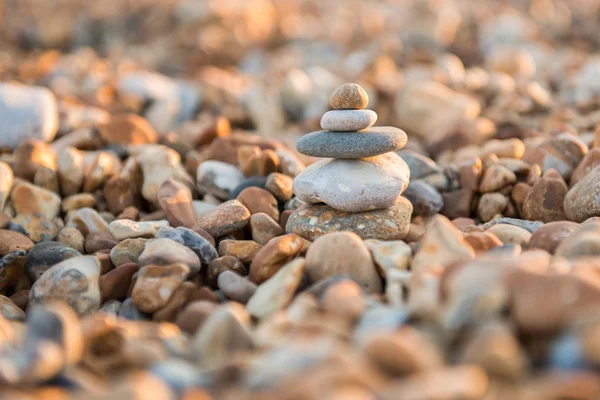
(349, 96)
(354, 185)
(370, 142)
(44, 255)
(312, 221)
(74, 281)
(192, 240)
(348, 120)
(582, 201)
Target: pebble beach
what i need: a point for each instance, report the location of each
(300, 200)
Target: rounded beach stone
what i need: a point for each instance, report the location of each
(342, 254)
(37, 227)
(354, 185)
(6, 182)
(368, 143)
(11, 241)
(264, 228)
(582, 201)
(116, 283)
(442, 245)
(218, 178)
(511, 234)
(226, 218)
(11, 269)
(544, 202)
(44, 255)
(201, 244)
(31, 156)
(194, 315)
(348, 120)
(349, 96)
(127, 129)
(280, 185)
(258, 200)
(314, 220)
(222, 264)
(425, 199)
(73, 281)
(273, 256)
(277, 292)
(549, 236)
(71, 237)
(127, 251)
(175, 199)
(28, 199)
(156, 284)
(243, 250)
(77, 201)
(166, 252)
(235, 287)
(26, 112)
(127, 229)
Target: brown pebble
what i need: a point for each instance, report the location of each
(264, 228)
(273, 256)
(114, 285)
(11, 241)
(225, 218)
(224, 263)
(243, 250)
(175, 199)
(280, 186)
(259, 200)
(549, 236)
(343, 254)
(194, 314)
(127, 129)
(349, 96)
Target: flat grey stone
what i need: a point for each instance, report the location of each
(348, 120)
(368, 143)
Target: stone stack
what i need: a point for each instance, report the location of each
(359, 187)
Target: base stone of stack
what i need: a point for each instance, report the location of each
(314, 220)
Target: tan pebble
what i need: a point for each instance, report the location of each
(344, 298)
(156, 284)
(31, 155)
(77, 201)
(72, 238)
(243, 250)
(510, 234)
(344, 254)
(349, 96)
(277, 292)
(273, 256)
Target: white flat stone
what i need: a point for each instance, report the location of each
(354, 185)
(348, 120)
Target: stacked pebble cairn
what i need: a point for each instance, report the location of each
(362, 178)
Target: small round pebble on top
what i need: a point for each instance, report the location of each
(349, 96)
